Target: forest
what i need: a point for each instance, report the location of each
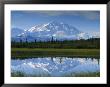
(92, 43)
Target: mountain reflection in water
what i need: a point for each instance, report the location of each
(54, 66)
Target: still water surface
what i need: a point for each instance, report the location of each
(54, 66)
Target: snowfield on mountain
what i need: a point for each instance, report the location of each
(54, 29)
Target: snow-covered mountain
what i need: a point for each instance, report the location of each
(55, 30)
(16, 31)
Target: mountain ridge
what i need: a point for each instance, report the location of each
(54, 29)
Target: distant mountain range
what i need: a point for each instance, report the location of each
(53, 30)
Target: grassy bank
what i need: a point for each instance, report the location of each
(35, 52)
(87, 74)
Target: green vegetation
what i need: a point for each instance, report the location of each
(30, 52)
(93, 43)
(17, 74)
(74, 48)
(21, 74)
(88, 74)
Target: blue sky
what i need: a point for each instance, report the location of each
(86, 21)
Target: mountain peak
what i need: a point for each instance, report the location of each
(59, 30)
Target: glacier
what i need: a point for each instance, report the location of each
(44, 32)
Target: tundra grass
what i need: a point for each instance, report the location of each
(30, 52)
(87, 74)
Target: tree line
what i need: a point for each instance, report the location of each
(92, 43)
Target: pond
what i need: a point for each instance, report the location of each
(53, 66)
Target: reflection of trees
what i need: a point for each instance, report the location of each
(59, 59)
(92, 59)
(86, 58)
(52, 59)
(98, 61)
